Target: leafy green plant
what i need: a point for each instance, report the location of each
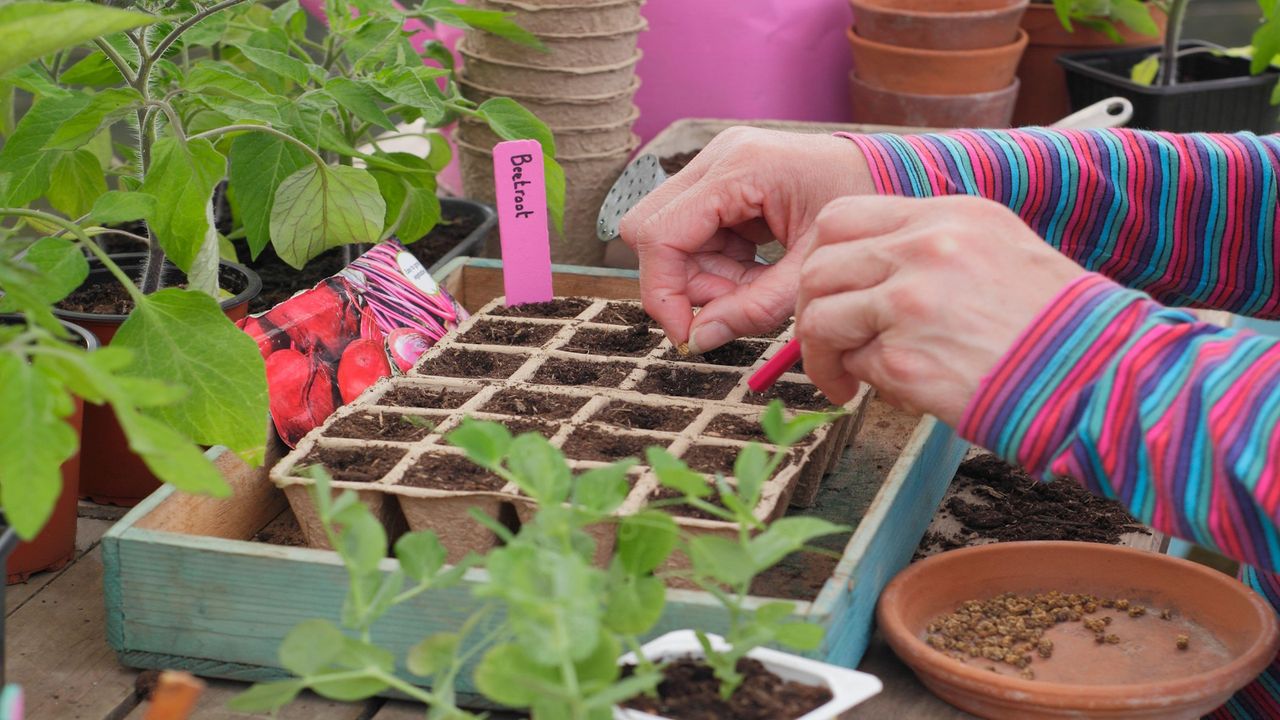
(551, 623)
(1104, 15)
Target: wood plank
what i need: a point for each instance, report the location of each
(903, 695)
(401, 710)
(57, 649)
(252, 504)
(308, 706)
(88, 533)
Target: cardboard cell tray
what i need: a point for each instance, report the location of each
(186, 588)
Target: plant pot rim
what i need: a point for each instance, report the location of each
(885, 7)
(926, 661)
(579, 70)
(557, 99)
(848, 687)
(633, 30)
(253, 286)
(1075, 63)
(86, 338)
(1018, 45)
(628, 121)
(631, 145)
(1012, 89)
(527, 7)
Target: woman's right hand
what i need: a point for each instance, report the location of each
(696, 235)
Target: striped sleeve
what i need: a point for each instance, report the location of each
(1189, 219)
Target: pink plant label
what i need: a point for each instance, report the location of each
(522, 221)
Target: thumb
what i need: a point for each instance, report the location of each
(758, 305)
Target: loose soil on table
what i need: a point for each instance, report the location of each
(1015, 506)
(636, 341)
(396, 427)
(508, 333)
(556, 309)
(456, 362)
(284, 530)
(525, 402)
(646, 417)
(682, 382)
(591, 443)
(738, 353)
(562, 371)
(690, 691)
(794, 396)
(420, 397)
(673, 164)
(365, 464)
(666, 493)
(622, 314)
(736, 427)
(450, 472)
(711, 459)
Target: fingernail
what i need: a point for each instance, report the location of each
(709, 337)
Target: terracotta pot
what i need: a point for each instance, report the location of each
(935, 72)
(562, 112)
(876, 106)
(1233, 632)
(55, 545)
(939, 24)
(1044, 99)
(111, 474)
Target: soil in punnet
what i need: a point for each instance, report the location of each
(559, 308)
(636, 341)
(508, 333)
(591, 443)
(690, 691)
(736, 427)
(562, 371)
(441, 471)
(396, 427)
(365, 464)
(420, 397)
(682, 382)
(738, 353)
(647, 417)
(689, 511)
(284, 530)
(520, 426)
(456, 362)
(620, 313)
(543, 405)
(794, 396)
(711, 458)
(673, 164)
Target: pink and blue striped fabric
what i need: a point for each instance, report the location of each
(1178, 420)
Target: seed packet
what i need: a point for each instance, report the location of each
(325, 346)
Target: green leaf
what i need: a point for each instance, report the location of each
(259, 163)
(490, 21)
(722, 559)
(76, 183)
(102, 109)
(266, 697)
(416, 87)
(421, 554)
(32, 30)
(24, 158)
(1135, 14)
(801, 636)
(413, 207)
(539, 468)
(506, 675)
(31, 459)
(645, 540)
(673, 473)
(360, 100)
(773, 613)
(278, 63)
(1266, 45)
(750, 469)
(349, 689)
(1144, 73)
(317, 208)
(555, 191)
(786, 536)
(170, 333)
(635, 602)
(311, 647)
(119, 206)
(59, 267)
(184, 174)
(95, 70)
(602, 490)
(509, 120)
(486, 443)
(433, 654)
(170, 455)
(362, 541)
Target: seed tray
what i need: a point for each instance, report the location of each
(637, 374)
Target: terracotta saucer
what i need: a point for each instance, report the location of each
(1233, 632)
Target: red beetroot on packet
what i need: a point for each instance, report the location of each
(301, 393)
(405, 347)
(364, 363)
(268, 336)
(320, 319)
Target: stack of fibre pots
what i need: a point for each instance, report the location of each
(936, 63)
(581, 85)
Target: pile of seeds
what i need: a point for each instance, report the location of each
(1010, 628)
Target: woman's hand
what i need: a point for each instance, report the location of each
(920, 298)
(697, 234)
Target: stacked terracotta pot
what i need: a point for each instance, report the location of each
(581, 85)
(936, 63)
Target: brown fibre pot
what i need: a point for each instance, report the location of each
(939, 24)
(875, 106)
(111, 473)
(602, 16)
(575, 81)
(1231, 630)
(55, 545)
(935, 72)
(561, 50)
(570, 141)
(562, 112)
(1043, 99)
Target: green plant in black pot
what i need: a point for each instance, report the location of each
(1106, 16)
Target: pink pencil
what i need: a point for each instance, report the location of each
(768, 374)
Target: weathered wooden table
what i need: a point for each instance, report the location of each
(57, 650)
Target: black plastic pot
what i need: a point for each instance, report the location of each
(485, 219)
(1218, 94)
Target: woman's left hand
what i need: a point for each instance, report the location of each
(920, 298)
